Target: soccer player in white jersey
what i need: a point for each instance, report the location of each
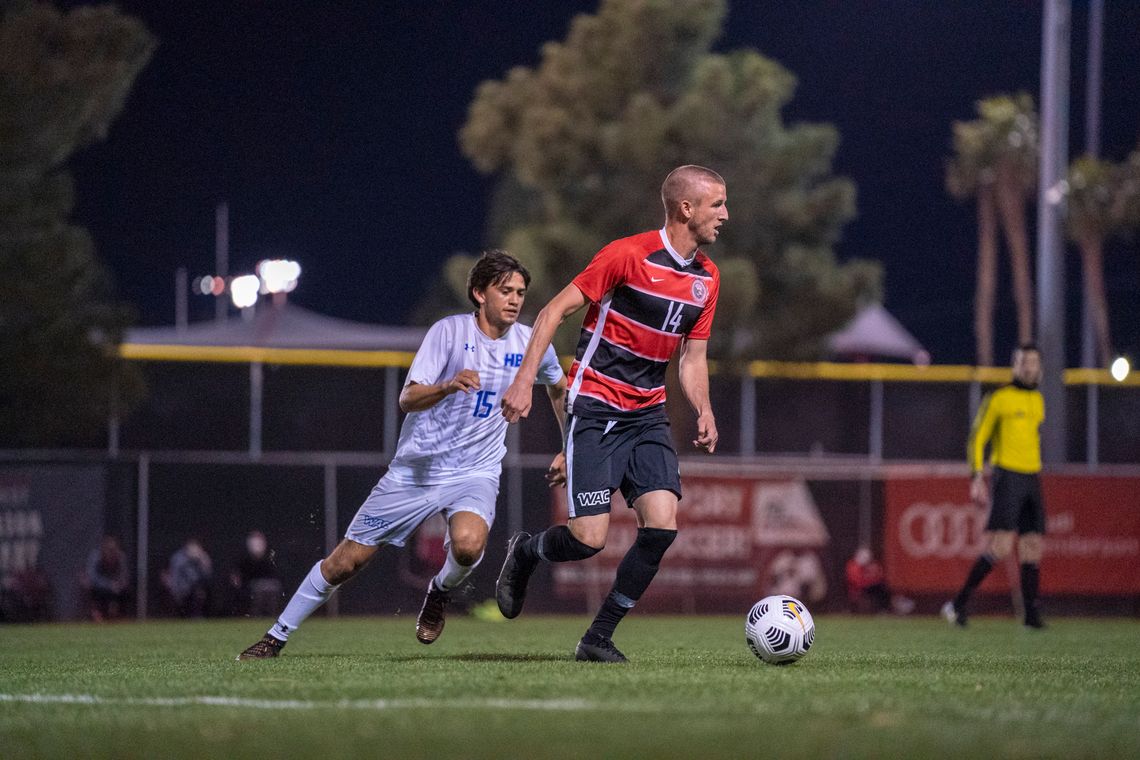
(450, 452)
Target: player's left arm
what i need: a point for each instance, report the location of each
(694, 372)
(556, 474)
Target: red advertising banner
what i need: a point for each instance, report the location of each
(1092, 542)
(739, 539)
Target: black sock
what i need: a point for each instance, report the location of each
(978, 573)
(1030, 579)
(555, 544)
(634, 575)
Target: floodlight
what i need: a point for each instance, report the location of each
(278, 275)
(243, 290)
(1120, 369)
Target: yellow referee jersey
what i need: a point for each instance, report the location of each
(1010, 418)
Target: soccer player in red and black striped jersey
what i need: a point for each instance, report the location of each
(647, 295)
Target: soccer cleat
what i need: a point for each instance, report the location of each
(601, 650)
(429, 624)
(510, 589)
(264, 649)
(953, 615)
(1033, 620)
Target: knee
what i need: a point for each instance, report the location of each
(1000, 545)
(655, 541)
(592, 536)
(467, 546)
(1029, 548)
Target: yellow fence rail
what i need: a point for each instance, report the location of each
(906, 373)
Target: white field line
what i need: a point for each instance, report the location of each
(540, 705)
(1010, 715)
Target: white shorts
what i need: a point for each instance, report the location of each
(393, 511)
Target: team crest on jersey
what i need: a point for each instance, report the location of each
(700, 290)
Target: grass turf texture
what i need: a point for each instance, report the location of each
(360, 687)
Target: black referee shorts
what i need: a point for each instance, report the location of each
(633, 454)
(1016, 502)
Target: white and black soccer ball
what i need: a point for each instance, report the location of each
(779, 629)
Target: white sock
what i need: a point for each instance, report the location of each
(311, 594)
(452, 573)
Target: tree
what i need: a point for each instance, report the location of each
(1103, 201)
(970, 174)
(63, 79)
(580, 143)
(1090, 221)
(996, 161)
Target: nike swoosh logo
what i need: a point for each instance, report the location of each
(656, 279)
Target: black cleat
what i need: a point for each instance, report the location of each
(510, 589)
(1033, 620)
(953, 615)
(599, 650)
(264, 649)
(429, 624)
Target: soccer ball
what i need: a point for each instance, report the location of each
(779, 629)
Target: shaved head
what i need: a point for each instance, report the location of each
(686, 183)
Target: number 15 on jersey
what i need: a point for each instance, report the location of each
(483, 405)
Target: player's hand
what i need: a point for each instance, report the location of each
(465, 380)
(516, 400)
(556, 473)
(978, 493)
(706, 433)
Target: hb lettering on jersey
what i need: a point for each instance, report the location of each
(512, 360)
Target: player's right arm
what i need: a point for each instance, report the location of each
(517, 398)
(416, 397)
(980, 433)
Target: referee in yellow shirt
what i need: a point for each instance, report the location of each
(1009, 420)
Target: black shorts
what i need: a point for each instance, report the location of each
(1016, 502)
(633, 454)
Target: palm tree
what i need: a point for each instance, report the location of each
(1093, 193)
(996, 160)
(1126, 203)
(970, 174)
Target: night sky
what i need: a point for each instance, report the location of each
(330, 129)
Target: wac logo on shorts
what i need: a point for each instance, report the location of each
(594, 498)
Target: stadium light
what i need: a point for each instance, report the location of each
(243, 290)
(208, 285)
(278, 275)
(1120, 369)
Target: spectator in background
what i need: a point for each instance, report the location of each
(188, 579)
(106, 580)
(255, 577)
(26, 596)
(867, 589)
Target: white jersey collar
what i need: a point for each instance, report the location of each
(672, 252)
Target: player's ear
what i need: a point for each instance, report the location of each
(479, 296)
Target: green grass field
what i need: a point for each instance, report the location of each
(363, 687)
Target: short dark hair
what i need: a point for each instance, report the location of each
(494, 267)
(680, 181)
